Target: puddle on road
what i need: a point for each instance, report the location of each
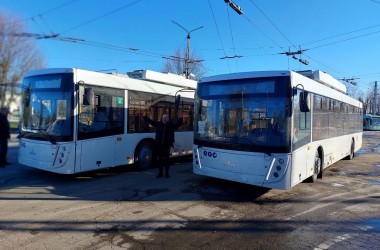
(337, 185)
(374, 182)
(374, 225)
(366, 151)
(375, 148)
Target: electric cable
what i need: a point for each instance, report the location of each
(257, 7)
(101, 16)
(232, 36)
(217, 29)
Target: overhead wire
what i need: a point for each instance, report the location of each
(343, 34)
(217, 29)
(101, 16)
(145, 53)
(276, 27)
(299, 50)
(232, 36)
(41, 18)
(45, 12)
(344, 40)
(268, 37)
(321, 63)
(307, 49)
(262, 32)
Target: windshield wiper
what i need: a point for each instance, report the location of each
(21, 134)
(204, 143)
(46, 135)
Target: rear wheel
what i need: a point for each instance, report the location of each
(352, 151)
(144, 156)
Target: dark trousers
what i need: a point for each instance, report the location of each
(3, 150)
(163, 159)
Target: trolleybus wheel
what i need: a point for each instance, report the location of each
(352, 151)
(144, 156)
(317, 167)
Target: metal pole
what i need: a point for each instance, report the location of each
(187, 56)
(187, 60)
(374, 99)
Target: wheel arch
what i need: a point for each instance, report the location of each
(144, 140)
(142, 163)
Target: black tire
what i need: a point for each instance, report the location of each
(317, 167)
(144, 156)
(352, 151)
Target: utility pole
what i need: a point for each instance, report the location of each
(374, 105)
(187, 56)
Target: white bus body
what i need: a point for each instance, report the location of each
(273, 129)
(75, 120)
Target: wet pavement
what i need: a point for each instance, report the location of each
(123, 209)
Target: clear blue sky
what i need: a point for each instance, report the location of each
(341, 37)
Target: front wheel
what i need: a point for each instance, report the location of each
(144, 156)
(317, 167)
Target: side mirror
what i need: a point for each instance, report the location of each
(27, 97)
(88, 96)
(177, 101)
(304, 101)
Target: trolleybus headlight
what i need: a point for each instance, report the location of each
(281, 161)
(276, 174)
(278, 168)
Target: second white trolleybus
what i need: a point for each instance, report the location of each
(273, 129)
(75, 120)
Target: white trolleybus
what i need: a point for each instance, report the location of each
(273, 129)
(75, 120)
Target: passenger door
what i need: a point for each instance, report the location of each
(100, 122)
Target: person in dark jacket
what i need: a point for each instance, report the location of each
(4, 136)
(164, 139)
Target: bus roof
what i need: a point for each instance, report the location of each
(329, 86)
(149, 75)
(150, 81)
(316, 75)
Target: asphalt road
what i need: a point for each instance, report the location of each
(120, 208)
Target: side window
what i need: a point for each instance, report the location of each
(187, 109)
(101, 112)
(156, 105)
(301, 124)
(137, 104)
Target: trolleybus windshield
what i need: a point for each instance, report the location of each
(246, 114)
(48, 107)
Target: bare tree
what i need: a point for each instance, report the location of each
(368, 102)
(17, 56)
(176, 65)
(353, 90)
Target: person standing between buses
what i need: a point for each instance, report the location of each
(4, 136)
(164, 139)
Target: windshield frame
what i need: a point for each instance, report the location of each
(60, 97)
(282, 91)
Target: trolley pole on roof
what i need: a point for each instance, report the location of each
(187, 56)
